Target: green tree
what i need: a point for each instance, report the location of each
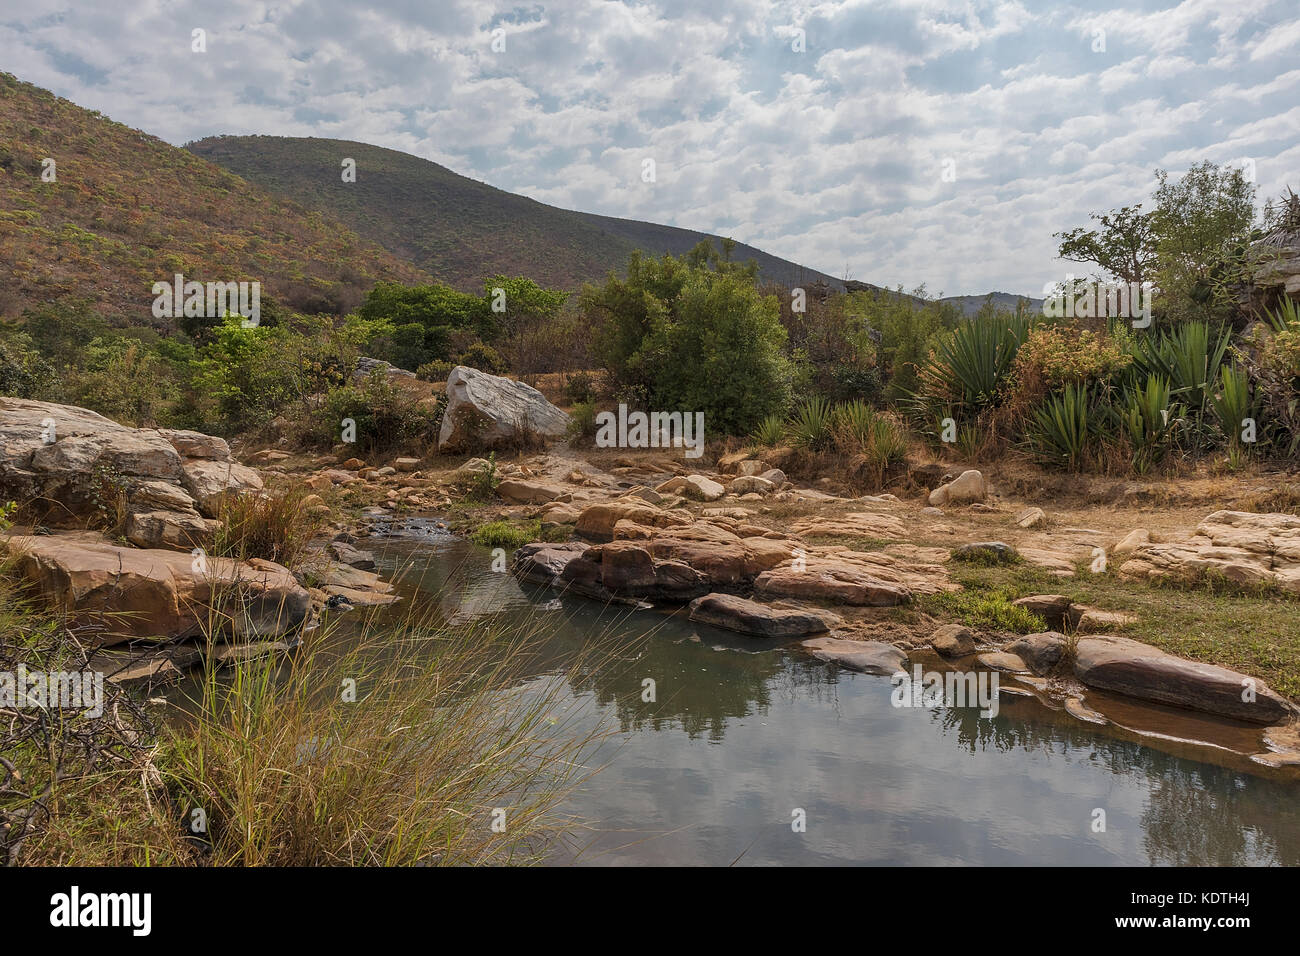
(1123, 246)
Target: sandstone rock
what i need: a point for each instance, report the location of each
(700, 488)
(967, 487)
(775, 475)
(1003, 661)
(1139, 670)
(174, 530)
(1086, 618)
(1078, 709)
(190, 444)
(747, 484)
(487, 411)
(528, 492)
(1032, 518)
(354, 557)
(1054, 609)
(1139, 537)
(953, 640)
(1248, 549)
(857, 524)
(597, 521)
(750, 617)
(842, 585)
(209, 481)
(870, 657)
(124, 593)
(406, 464)
(1041, 652)
(751, 468)
(367, 366)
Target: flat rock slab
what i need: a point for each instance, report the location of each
(1148, 673)
(841, 585)
(758, 620)
(1002, 661)
(869, 657)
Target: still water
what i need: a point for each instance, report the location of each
(744, 735)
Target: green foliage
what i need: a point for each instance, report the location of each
(1062, 428)
(968, 366)
(908, 327)
(990, 609)
(484, 358)
(1149, 421)
(386, 418)
(1232, 403)
(770, 432)
(582, 421)
(1122, 246)
(680, 337)
(812, 427)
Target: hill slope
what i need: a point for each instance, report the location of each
(458, 229)
(127, 210)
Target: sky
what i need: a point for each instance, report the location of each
(900, 143)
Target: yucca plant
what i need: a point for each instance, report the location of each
(1149, 421)
(969, 364)
(1188, 358)
(1062, 429)
(1232, 403)
(770, 431)
(812, 427)
(1286, 315)
(854, 425)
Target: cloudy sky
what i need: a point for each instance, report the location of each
(833, 155)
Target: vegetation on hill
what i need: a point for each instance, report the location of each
(125, 210)
(457, 229)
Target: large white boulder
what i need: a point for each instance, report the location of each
(488, 411)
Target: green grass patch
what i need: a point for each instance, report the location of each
(512, 534)
(986, 610)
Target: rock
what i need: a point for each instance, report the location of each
(1138, 670)
(870, 657)
(367, 366)
(190, 444)
(487, 411)
(1003, 661)
(543, 563)
(967, 487)
(842, 585)
(932, 512)
(1084, 618)
(1076, 708)
(528, 492)
(1247, 549)
(747, 484)
(1139, 537)
(360, 597)
(597, 521)
(750, 617)
(1054, 609)
(775, 475)
(1041, 652)
(729, 464)
(857, 524)
(751, 468)
(1033, 518)
(351, 556)
(122, 593)
(699, 488)
(991, 552)
(174, 530)
(406, 464)
(953, 640)
(209, 481)
(160, 495)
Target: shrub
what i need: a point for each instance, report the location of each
(812, 427)
(435, 371)
(579, 388)
(1061, 429)
(770, 431)
(484, 358)
(582, 421)
(275, 526)
(968, 366)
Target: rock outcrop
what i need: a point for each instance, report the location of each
(758, 620)
(117, 594)
(967, 487)
(487, 411)
(65, 465)
(1245, 548)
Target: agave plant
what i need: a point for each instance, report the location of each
(770, 431)
(1188, 358)
(1285, 316)
(969, 364)
(1232, 403)
(812, 427)
(1149, 421)
(1062, 427)
(854, 425)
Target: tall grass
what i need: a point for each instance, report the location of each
(447, 733)
(273, 525)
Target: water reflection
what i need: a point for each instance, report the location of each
(741, 735)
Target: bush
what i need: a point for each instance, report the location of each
(274, 526)
(435, 371)
(484, 358)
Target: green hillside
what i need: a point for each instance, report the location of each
(126, 210)
(455, 228)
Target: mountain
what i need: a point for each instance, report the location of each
(458, 229)
(1006, 301)
(125, 210)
